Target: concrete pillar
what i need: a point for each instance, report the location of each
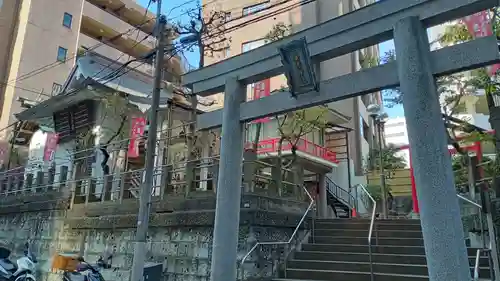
(227, 211)
(473, 176)
(439, 210)
(323, 201)
(159, 154)
(205, 154)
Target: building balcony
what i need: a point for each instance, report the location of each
(314, 157)
(112, 21)
(128, 11)
(113, 54)
(127, 44)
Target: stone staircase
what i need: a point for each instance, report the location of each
(339, 252)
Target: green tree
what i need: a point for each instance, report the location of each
(390, 158)
(460, 169)
(480, 80)
(375, 191)
(454, 87)
(294, 126)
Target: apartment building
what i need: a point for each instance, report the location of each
(41, 41)
(250, 21)
(395, 134)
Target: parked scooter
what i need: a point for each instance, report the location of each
(23, 270)
(86, 272)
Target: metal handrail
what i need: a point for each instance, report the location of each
(493, 267)
(470, 201)
(370, 232)
(481, 221)
(351, 205)
(245, 257)
(476, 265)
(476, 262)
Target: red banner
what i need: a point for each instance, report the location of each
(136, 131)
(262, 89)
(479, 25)
(50, 146)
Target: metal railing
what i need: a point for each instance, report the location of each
(494, 268)
(481, 221)
(370, 231)
(304, 216)
(476, 263)
(272, 145)
(340, 194)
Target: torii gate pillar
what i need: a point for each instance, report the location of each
(442, 230)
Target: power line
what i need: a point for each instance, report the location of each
(265, 16)
(234, 9)
(256, 19)
(231, 29)
(57, 63)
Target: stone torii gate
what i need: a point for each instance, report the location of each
(414, 71)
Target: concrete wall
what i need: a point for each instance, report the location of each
(46, 232)
(181, 241)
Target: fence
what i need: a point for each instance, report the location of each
(107, 172)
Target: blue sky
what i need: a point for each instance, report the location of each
(175, 11)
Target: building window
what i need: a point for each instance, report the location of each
(248, 46)
(393, 135)
(228, 16)
(226, 52)
(364, 128)
(391, 125)
(61, 54)
(67, 20)
(255, 8)
(56, 88)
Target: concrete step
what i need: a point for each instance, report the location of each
(364, 240)
(329, 275)
(339, 224)
(380, 249)
(364, 267)
(378, 221)
(364, 233)
(378, 258)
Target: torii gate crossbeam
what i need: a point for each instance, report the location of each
(414, 70)
(470, 55)
(362, 28)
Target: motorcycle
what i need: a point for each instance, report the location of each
(23, 270)
(87, 272)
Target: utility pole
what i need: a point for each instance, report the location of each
(145, 192)
(383, 184)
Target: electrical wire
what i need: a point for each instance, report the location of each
(238, 8)
(233, 28)
(261, 17)
(120, 72)
(57, 63)
(117, 60)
